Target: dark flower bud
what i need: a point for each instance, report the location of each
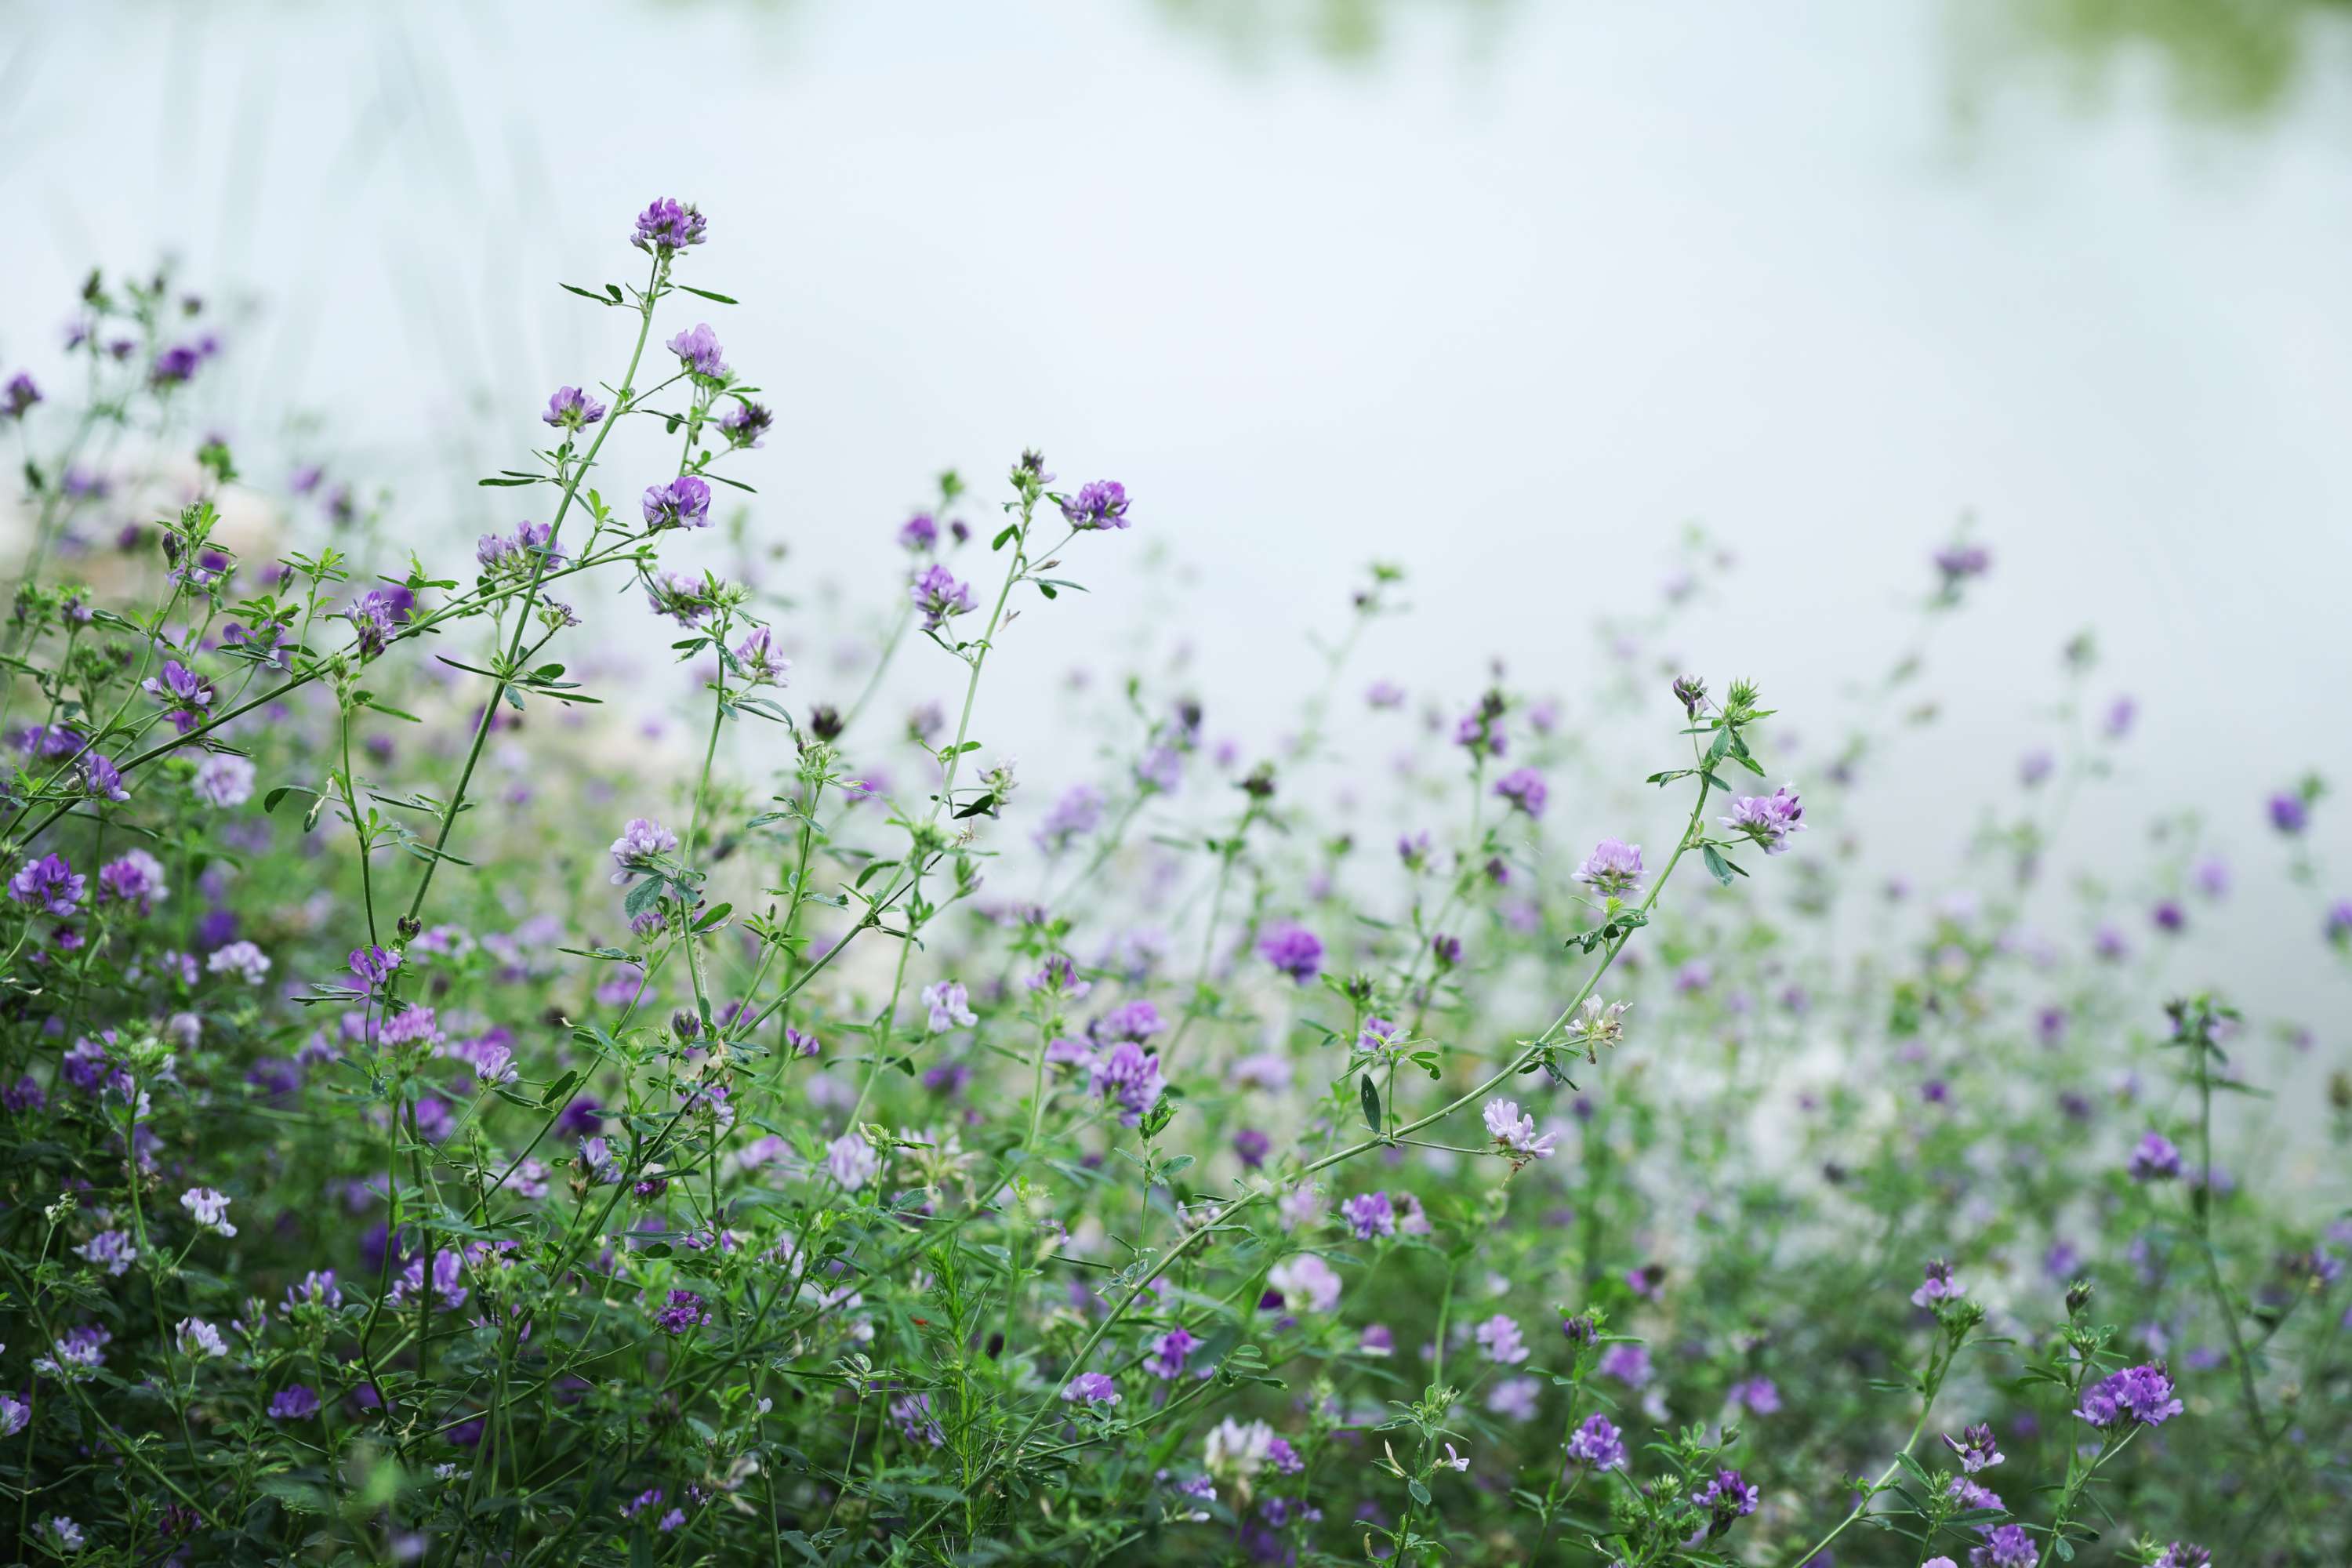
(410, 928)
(1579, 1330)
(2078, 1295)
(1259, 785)
(1691, 692)
(684, 1025)
(825, 721)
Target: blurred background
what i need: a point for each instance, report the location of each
(1509, 294)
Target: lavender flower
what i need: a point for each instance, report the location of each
(48, 885)
(684, 1311)
(184, 694)
(1371, 1214)
(2006, 1546)
(18, 396)
(1597, 1445)
(197, 1338)
(1129, 1074)
(209, 1209)
(746, 422)
(940, 597)
(297, 1402)
(2154, 1159)
(1939, 1286)
(111, 1250)
(1092, 1388)
(1306, 1278)
(376, 616)
(851, 1162)
(761, 664)
(2290, 814)
(1614, 869)
(1977, 1448)
(1628, 1363)
(1100, 505)
(699, 352)
(1515, 1133)
(684, 502)
(76, 1355)
(1499, 1337)
(1525, 789)
(2137, 1393)
(1769, 820)
(665, 227)
(569, 409)
(2181, 1554)
(1294, 950)
(638, 847)
(1166, 1355)
(15, 1416)
(950, 1008)
(1729, 1497)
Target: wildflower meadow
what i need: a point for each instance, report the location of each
(1502, 1125)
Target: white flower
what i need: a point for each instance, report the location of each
(197, 1338)
(222, 780)
(1305, 1281)
(244, 960)
(208, 1208)
(950, 1007)
(1236, 1452)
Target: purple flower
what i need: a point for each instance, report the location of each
(136, 877)
(919, 533)
(2137, 1394)
(1515, 1133)
(950, 1007)
(699, 352)
(1165, 1357)
(1371, 1214)
(175, 365)
(746, 422)
(1384, 694)
(2121, 713)
(1960, 561)
(1499, 1337)
(1078, 812)
(2169, 916)
(1138, 1020)
(183, 693)
(851, 1162)
(1757, 1395)
(1099, 505)
(1130, 1075)
(374, 965)
(2338, 926)
(298, 1402)
(665, 227)
(112, 1250)
(209, 1209)
(1938, 1285)
(376, 616)
(1093, 1387)
(2290, 813)
(1250, 1147)
(684, 1310)
(569, 409)
(1525, 789)
(2181, 1554)
(684, 502)
(1597, 1445)
(2006, 1546)
(1729, 1497)
(1294, 950)
(761, 664)
(1614, 869)
(49, 885)
(2154, 1159)
(1976, 1447)
(639, 843)
(19, 395)
(101, 779)
(938, 594)
(1628, 1363)
(2035, 766)
(1769, 819)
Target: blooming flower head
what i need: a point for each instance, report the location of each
(851, 1162)
(209, 1209)
(699, 352)
(1100, 505)
(1977, 1448)
(1380, 1037)
(684, 502)
(77, 1355)
(1516, 1133)
(2154, 1159)
(111, 1250)
(1129, 1074)
(1525, 789)
(1092, 1388)
(1236, 1450)
(2289, 813)
(1938, 1285)
(1614, 869)
(183, 693)
(1597, 1445)
(2005, 1546)
(569, 409)
(1769, 819)
(1757, 1395)
(667, 227)
(1168, 1352)
(2137, 1393)
(197, 1338)
(296, 1401)
(1628, 1363)
(1370, 1214)
(2181, 1554)
(1294, 950)
(62, 1534)
(1729, 1497)
(684, 1311)
(950, 1007)
(760, 662)
(1499, 1337)
(242, 959)
(18, 396)
(134, 876)
(48, 885)
(939, 596)
(744, 424)
(639, 843)
(1306, 1280)
(376, 616)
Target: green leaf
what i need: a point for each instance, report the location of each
(559, 1089)
(587, 293)
(1370, 1098)
(706, 294)
(506, 482)
(269, 802)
